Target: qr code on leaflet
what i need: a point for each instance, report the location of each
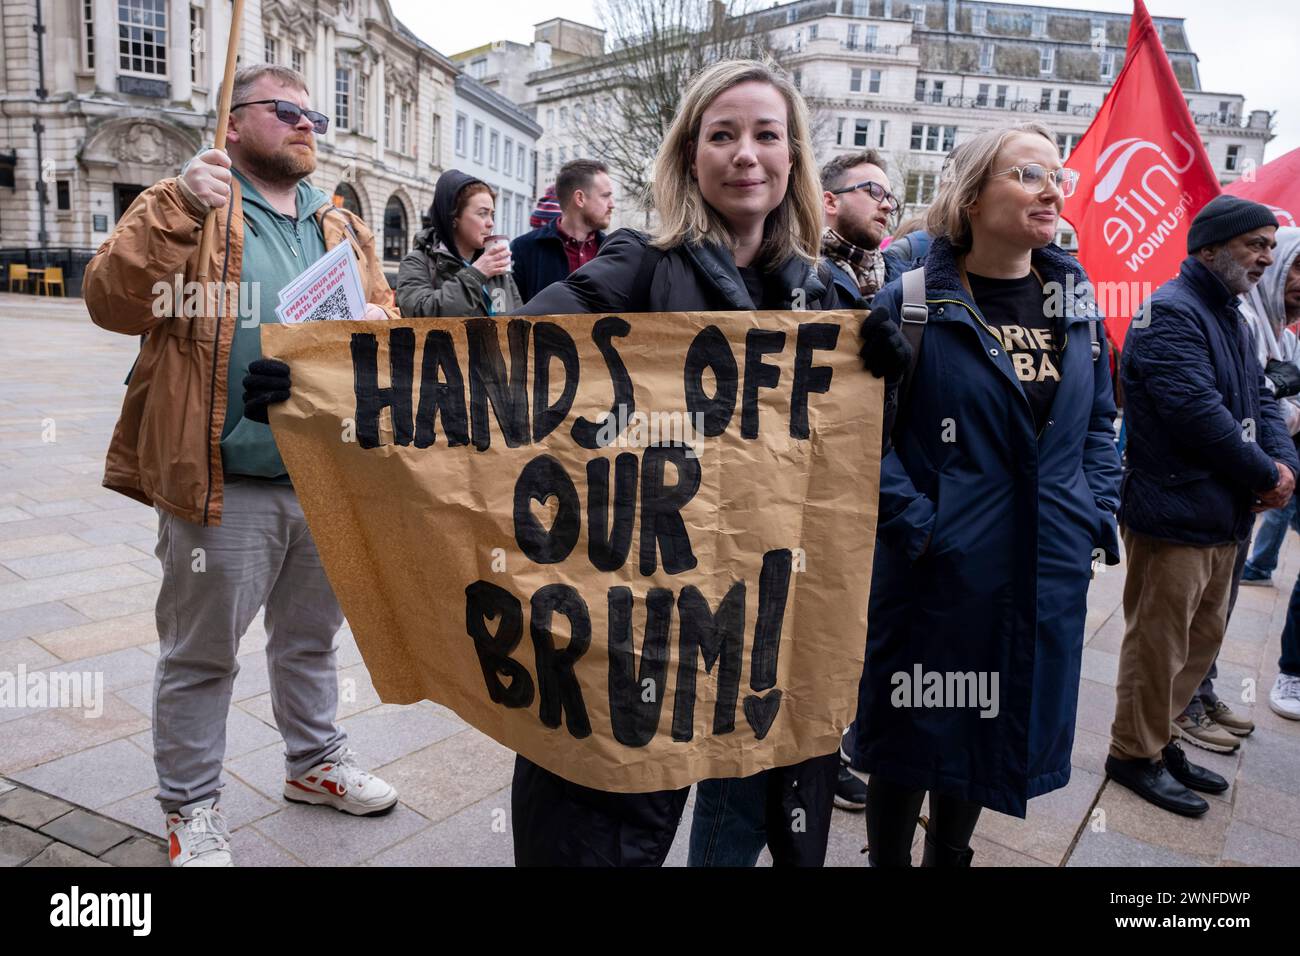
(335, 306)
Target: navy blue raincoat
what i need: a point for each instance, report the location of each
(986, 540)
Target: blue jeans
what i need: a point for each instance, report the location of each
(730, 823)
(1289, 662)
(1268, 542)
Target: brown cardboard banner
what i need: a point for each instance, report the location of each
(635, 601)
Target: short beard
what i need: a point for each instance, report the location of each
(283, 167)
(859, 237)
(1230, 272)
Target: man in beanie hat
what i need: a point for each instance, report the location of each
(548, 209)
(1207, 446)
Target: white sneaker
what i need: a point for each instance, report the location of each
(340, 783)
(1284, 698)
(197, 835)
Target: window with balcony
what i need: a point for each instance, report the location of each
(851, 41)
(936, 91)
(872, 32)
(1062, 101)
(982, 97)
(1001, 100)
(1045, 101)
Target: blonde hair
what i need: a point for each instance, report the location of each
(965, 172)
(793, 228)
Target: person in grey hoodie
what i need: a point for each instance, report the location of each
(448, 272)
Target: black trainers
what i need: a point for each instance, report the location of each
(1152, 781)
(1189, 774)
(850, 792)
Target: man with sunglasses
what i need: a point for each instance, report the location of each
(859, 207)
(232, 538)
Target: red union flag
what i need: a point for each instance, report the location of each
(1143, 175)
(1276, 185)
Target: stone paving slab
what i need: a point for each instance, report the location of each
(78, 584)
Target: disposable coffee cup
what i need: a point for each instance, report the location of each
(491, 242)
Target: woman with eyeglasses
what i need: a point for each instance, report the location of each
(997, 502)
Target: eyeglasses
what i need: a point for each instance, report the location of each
(1034, 177)
(876, 191)
(291, 113)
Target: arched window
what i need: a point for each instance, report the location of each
(394, 229)
(345, 197)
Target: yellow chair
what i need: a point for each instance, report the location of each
(17, 274)
(53, 276)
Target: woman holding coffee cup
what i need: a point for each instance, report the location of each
(458, 266)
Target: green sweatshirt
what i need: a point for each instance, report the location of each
(277, 249)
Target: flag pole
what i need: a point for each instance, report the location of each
(223, 120)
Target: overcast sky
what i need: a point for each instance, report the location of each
(1249, 47)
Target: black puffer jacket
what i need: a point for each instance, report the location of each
(687, 278)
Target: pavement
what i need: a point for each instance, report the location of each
(78, 582)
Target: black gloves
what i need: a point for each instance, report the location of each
(884, 352)
(266, 383)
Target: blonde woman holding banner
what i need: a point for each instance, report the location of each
(738, 195)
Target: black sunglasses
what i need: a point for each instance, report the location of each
(876, 191)
(290, 113)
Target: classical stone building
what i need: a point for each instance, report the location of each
(915, 77)
(112, 95)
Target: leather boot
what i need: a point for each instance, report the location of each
(939, 854)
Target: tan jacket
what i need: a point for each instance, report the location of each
(166, 448)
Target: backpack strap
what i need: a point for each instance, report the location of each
(915, 316)
(1096, 340)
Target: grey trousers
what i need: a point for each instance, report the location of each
(214, 582)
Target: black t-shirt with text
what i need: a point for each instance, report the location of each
(1015, 309)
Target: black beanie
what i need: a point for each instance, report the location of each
(1225, 217)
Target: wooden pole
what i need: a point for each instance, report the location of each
(223, 120)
